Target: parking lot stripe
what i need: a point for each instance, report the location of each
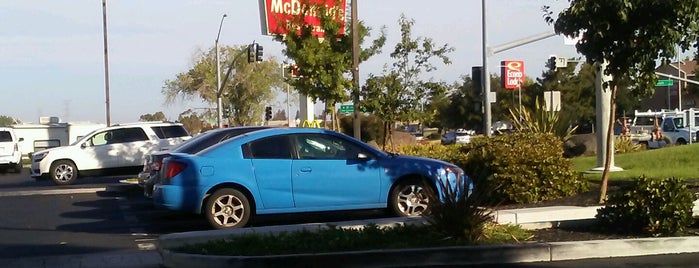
(51, 192)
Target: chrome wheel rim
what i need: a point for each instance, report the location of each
(228, 210)
(412, 200)
(64, 173)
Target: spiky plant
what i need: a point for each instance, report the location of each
(540, 120)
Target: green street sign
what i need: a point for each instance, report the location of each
(347, 109)
(664, 83)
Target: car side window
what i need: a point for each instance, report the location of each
(314, 146)
(166, 132)
(275, 147)
(132, 134)
(668, 125)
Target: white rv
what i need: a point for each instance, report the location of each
(50, 132)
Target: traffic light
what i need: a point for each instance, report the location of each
(268, 113)
(226, 111)
(477, 77)
(251, 53)
(294, 70)
(258, 52)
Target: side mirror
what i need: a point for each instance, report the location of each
(20, 139)
(83, 145)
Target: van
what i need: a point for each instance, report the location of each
(10, 156)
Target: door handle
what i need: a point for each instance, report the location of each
(306, 169)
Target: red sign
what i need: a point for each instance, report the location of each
(275, 14)
(512, 73)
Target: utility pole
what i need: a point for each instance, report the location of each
(355, 71)
(106, 61)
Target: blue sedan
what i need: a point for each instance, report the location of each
(289, 170)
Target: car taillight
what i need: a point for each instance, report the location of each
(156, 165)
(174, 168)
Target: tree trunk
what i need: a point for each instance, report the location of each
(610, 141)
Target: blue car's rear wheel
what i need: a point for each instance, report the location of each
(409, 198)
(227, 208)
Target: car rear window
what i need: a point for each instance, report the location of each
(166, 132)
(208, 139)
(5, 136)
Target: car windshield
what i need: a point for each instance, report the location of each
(86, 136)
(461, 134)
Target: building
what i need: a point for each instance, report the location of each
(668, 97)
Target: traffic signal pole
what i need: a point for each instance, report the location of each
(355, 71)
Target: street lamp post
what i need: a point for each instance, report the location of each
(218, 77)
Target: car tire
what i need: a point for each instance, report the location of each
(409, 198)
(227, 208)
(63, 172)
(17, 168)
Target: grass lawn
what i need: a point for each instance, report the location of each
(675, 161)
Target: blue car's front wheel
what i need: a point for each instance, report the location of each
(227, 208)
(409, 198)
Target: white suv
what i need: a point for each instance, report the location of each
(114, 150)
(10, 156)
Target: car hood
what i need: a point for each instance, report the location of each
(427, 161)
(51, 149)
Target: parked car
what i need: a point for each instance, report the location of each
(458, 136)
(291, 170)
(153, 162)
(114, 150)
(10, 155)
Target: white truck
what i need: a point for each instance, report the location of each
(656, 129)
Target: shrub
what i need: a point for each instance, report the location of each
(649, 206)
(522, 168)
(626, 145)
(455, 154)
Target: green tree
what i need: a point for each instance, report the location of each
(158, 116)
(192, 121)
(246, 87)
(400, 94)
(324, 64)
(630, 35)
(6, 121)
(463, 108)
(693, 89)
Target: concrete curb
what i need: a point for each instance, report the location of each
(530, 218)
(500, 254)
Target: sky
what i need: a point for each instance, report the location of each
(52, 51)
